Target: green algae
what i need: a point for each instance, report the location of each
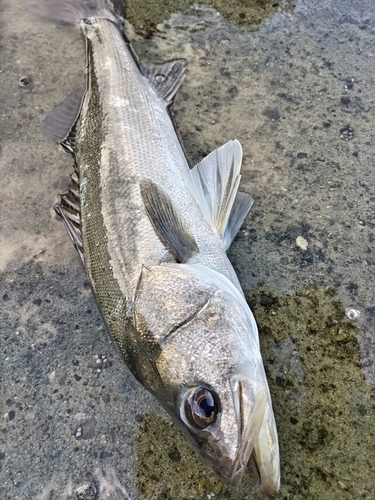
(147, 15)
(324, 410)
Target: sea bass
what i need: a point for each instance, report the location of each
(152, 234)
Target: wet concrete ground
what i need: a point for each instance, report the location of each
(299, 93)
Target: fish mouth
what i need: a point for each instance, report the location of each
(265, 455)
(258, 441)
(249, 399)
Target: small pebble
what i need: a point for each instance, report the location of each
(25, 81)
(301, 242)
(345, 100)
(346, 133)
(352, 313)
(87, 491)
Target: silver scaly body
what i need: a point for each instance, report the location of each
(153, 235)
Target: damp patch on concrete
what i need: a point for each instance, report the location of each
(145, 16)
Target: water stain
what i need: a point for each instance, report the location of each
(145, 16)
(324, 411)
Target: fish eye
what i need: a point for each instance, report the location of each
(201, 407)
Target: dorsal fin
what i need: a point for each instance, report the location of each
(59, 125)
(165, 78)
(214, 184)
(167, 221)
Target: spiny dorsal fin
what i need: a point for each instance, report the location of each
(214, 184)
(165, 78)
(167, 221)
(59, 125)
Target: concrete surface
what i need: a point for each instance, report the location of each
(298, 91)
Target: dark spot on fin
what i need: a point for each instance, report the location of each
(59, 125)
(166, 78)
(70, 212)
(167, 221)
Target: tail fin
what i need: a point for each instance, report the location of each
(71, 11)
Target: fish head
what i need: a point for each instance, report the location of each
(210, 374)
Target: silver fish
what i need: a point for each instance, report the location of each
(153, 235)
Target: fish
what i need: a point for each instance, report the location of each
(153, 234)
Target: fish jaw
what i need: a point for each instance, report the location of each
(265, 456)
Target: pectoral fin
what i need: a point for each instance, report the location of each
(168, 221)
(214, 184)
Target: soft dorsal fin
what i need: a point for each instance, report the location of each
(59, 125)
(165, 78)
(167, 221)
(214, 184)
